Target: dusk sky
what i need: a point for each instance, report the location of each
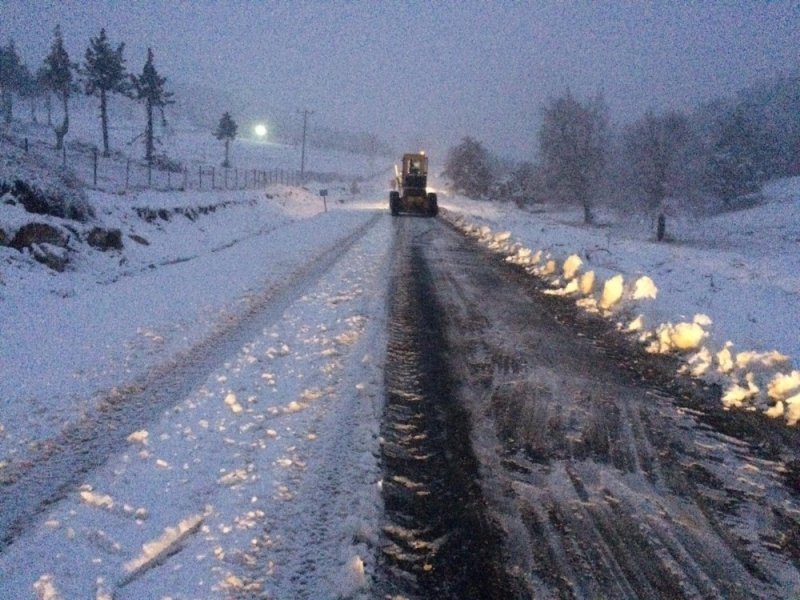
(428, 73)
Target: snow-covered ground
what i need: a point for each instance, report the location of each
(271, 459)
(242, 460)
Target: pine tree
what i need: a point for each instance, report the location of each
(104, 72)
(10, 78)
(226, 131)
(58, 74)
(149, 88)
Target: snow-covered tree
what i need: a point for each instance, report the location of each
(652, 149)
(150, 89)
(226, 132)
(11, 74)
(468, 166)
(104, 73)
(573, 141)
(524, 183)
(58, 75)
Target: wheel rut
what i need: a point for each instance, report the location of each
(437, 539)
(534, 446)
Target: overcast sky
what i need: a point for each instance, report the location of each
(428, 73)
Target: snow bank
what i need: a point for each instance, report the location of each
(752, 380)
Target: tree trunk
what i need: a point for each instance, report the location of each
(33, 111)
(49, 106)
(104, 121)
(61, 131)
(149, 134)
(227, 162)
(661, 227)
(588, 215)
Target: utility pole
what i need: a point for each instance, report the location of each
(303, 146)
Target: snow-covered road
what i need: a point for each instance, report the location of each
(217, 393)
(604, 474)
(263, 478)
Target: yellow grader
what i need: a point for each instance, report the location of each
(410, 182)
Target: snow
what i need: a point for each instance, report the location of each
(271, 459)
(722, 293)
(226, 474)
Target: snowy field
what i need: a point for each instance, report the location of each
(282, 436)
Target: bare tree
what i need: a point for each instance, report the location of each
(652, 148)
(573, 140)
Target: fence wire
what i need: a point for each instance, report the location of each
(119, 173)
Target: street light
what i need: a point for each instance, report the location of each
(261, 133)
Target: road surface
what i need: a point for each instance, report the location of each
(531, 452)
(407, 416)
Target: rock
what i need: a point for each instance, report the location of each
(105, 239)
(51, 256)
(38, 233)
(138, 239)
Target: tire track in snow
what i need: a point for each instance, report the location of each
(438, 540)
(607, 479)
(48, 473)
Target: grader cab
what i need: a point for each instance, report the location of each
(410, 194)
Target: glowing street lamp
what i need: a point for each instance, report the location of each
(260, 130)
